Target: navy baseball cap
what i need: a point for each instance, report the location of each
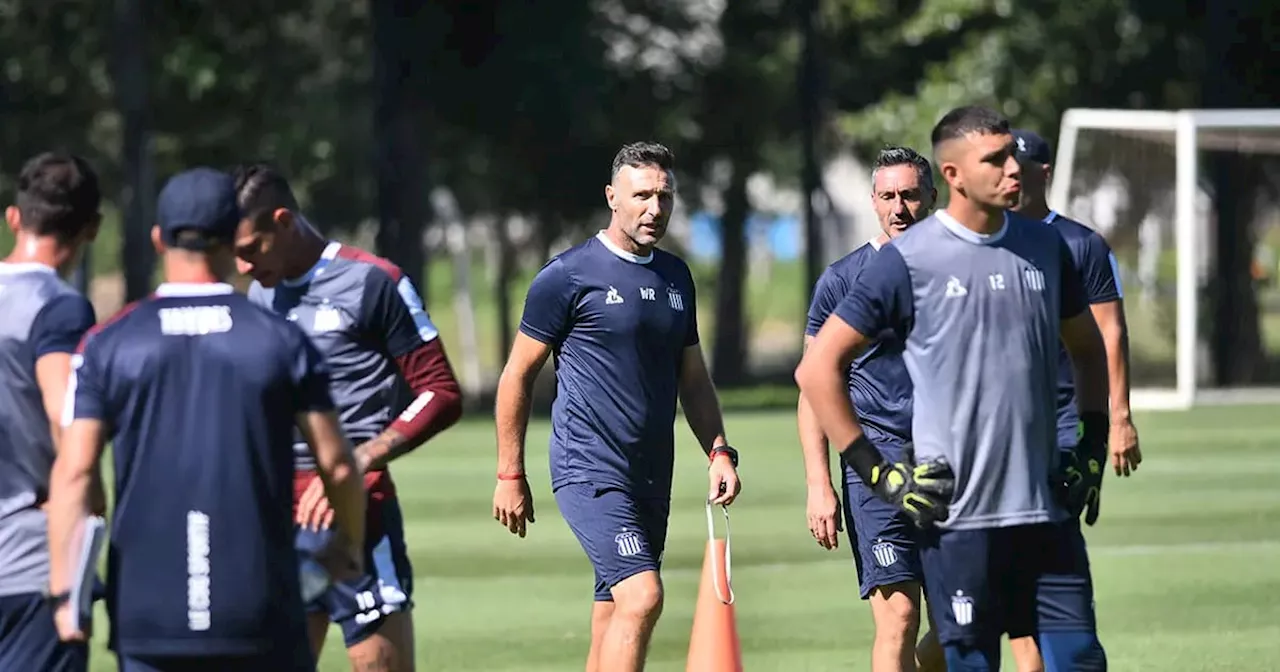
(201, 201)
(1032, 147)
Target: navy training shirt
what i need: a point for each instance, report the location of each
(878, 380)
(199, 389)
(618, 325)
(1100, 275)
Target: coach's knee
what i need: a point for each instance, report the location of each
(638, 598)
(896, 609)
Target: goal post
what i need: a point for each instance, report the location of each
(1150, 159)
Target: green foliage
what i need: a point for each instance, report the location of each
(1031, 63)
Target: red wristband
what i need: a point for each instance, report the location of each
(511, 477)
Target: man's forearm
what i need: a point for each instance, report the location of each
(344, 487)
(813, 446)
(379, 451)
(436, 407)
(1090, 368)
(511, 415)
(1116, 339)
(825, 388)
(702, 412)
(67, 506)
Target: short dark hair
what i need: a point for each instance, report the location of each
(969, 119)
(641, 154)
(260, 185)
(903, 156)
(58, 195)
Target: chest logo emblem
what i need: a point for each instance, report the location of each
(327, 319)
(675, 299)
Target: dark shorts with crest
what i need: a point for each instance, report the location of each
(621, 534)
(1021, 581)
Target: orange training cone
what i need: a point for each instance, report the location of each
(713, 643)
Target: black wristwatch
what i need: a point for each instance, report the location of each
(726, 450)
(56, 600)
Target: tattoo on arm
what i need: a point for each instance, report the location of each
(377, 452)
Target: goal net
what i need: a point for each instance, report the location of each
(1190, 202)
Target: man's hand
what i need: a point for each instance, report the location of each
(1123, 444)
(314, 512)
(725, 485)
(825, 521)
(513, 505)
(923, 491)
(343, 560)
(62, 617)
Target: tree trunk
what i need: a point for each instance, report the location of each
(729, 354)
(1236, 341)
(1236, 337)
(129, 74)
(402, 188)
(811, 174)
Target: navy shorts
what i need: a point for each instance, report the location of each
(299, 661)
(1020, 580)
(622, 535)
(885, 543)
(29, 640)
(360, 606)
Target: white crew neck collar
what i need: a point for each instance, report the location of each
(188, 290)
(965, 233)
(621, 253)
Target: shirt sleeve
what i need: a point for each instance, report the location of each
(61, 324)
(86, 390)
(1098, 270)
(881, 297)
(827, 294)
(310, 374)
(1072, 292)
(548, 307)
(394, 312)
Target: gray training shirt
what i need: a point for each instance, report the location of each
(42, 315)
(980, 315)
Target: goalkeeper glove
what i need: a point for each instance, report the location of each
(1080, 469)
(922, 491)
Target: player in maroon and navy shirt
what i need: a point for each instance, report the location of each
(392, 384)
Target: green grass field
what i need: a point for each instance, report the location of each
(1186, 557)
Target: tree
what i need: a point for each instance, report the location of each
(398, 124)
(130, 76)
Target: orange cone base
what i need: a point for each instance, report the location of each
(713, 642)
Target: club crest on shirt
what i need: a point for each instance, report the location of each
(1034, 279)
(327, 318)
(675, 299)
(629, 543)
